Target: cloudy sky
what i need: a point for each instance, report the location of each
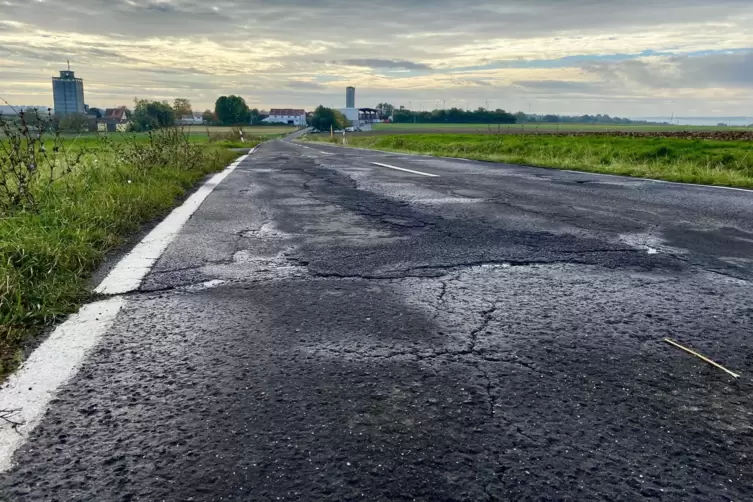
(628, 58)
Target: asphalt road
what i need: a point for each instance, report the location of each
(325, 328)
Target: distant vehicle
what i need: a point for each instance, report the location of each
(315, 131)
(350, 129)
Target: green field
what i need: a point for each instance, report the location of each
(428, 128)
(726, 163)
(215, 135)
(200, 134)
(201, 131)
(53, 237)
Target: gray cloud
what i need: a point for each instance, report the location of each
(454, 19)
(379, 64)
(699, 71)
(561, 87)
(55, 55)
(305, 85)
(145, 47)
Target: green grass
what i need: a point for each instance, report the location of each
(398, 128)
(197, 134)
(725, 163)
(48, 253)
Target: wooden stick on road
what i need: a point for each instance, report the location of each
(703, 358)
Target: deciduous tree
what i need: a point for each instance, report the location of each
(231, 110)
(325, 118)
(73, 122)
(182, 107)
(209, 117)
(385, 109)
(148, 115)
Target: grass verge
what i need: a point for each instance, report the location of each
(48, 252)
(398, 128)
(723, 163)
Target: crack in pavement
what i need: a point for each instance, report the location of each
(448, 267)
(487, 316)
(705, 269)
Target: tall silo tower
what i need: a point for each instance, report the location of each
(68, 93)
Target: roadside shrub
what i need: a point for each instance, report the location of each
(166, 147)
(29, 162)
(57, 223)
(235, 134)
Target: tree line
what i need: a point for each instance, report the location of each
(523, 118)
(233, 110)
(228, 110)
(147, 114)
(483, 116)
(453, 116)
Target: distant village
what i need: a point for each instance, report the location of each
(71, 112)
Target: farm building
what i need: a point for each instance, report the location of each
(286, 116)
(195, 119)
(114, 120)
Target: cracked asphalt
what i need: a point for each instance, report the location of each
(327, 329)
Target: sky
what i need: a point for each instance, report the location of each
(627, 58)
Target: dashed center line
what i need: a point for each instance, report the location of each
(318, 151)
(406, 170)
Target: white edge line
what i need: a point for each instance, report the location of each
(28, 392)
(51, 365)
(131, 270)
(690, 185)
(406, 170)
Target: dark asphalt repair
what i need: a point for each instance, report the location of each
(325, 329)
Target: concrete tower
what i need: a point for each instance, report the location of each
(68, 93)
(350, 97)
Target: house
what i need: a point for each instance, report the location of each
(286, 116)
(114, 120)
(195, 119)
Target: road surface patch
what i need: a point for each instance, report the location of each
(130, 272)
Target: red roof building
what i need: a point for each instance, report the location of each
(115, 115)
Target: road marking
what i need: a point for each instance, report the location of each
(131, 270)
(24, 398)
(406, 170)
(488, 163)
(318, 151)
(50, 366)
